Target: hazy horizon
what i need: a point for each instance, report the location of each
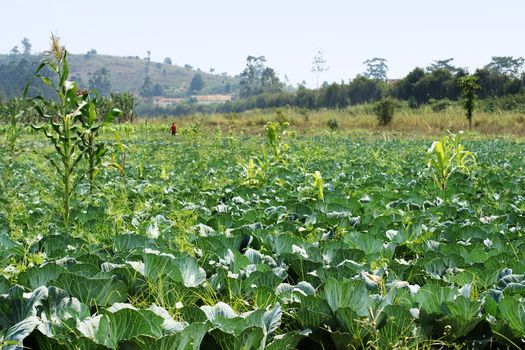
(209, 34)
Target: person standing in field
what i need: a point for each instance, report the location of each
(173, 129)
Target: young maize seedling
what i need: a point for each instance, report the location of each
(274, 137)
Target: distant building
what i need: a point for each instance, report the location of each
(392, 81)
(164, 102)
(209, 99)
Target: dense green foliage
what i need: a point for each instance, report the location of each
(384, 109)
(14, 75)
(257, 78)
(438, 89)
(336, 243)
(196, 84)
(469, 87)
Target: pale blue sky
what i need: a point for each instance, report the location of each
(220, 34)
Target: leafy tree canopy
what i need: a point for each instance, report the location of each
(100, 81)
(443, 64)
(27, 46)
(197, 83)
(256, 78)
(376, 68)
(507, 65)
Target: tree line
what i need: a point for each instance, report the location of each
(501, 86)
(502, 76)
(501, 80)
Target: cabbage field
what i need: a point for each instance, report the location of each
(272, 241)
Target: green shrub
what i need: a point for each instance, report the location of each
(384, 109)
(332, 124)
(440, 105)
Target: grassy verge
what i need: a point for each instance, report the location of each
(419, 123)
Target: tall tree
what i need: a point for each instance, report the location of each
(227, 88)
(364, 90)
(14, 51)
(100, 81)
(147, 88)
(492, 82)
(251, 76)
(196, 84)
(437, 85)
(376, 68)
(332, 96)
(404, 89)
(148, 61)
(443, 64)
(158, 90)
(319, 65)
(507, 65)
(27, 46)
(90, 53)
(269, 81)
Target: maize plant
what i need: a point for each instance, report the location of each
(70, 125)
(318, 185)
(93, 149)
(254, 174)
(15, 111)
(126, 103)
(274, 136)
(447, 156)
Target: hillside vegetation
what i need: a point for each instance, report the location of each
(125, 74)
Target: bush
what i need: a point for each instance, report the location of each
(332, 124)
(489, 106)
(440, 105)
(384, 110)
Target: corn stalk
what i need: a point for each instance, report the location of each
(71, 126)
(447, 156)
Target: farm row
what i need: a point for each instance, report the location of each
(241, 243)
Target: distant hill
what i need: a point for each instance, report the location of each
(126, 74)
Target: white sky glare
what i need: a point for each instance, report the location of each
(221, 34)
